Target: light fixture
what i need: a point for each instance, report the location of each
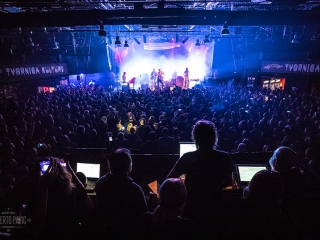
(177, 38)
(185, 40)
(117, 42)
(206, 39)
(225, 30)
(295, 38)
(197, 43)
(126, 43)
(102, 32)
(136, 40)
(144, 39)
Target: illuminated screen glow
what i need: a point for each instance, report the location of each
(187, 147)
(247, 172)
(91, 170)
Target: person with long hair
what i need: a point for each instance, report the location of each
(57, 206)
(207, 171)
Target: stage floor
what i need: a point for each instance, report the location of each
(137, 86)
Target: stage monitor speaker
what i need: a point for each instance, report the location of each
(125, 87)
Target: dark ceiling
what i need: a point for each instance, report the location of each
(245, 18)
(18, 14)
(256, 25)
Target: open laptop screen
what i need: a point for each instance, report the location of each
(246, 172)
(91, 170)
(187, 147)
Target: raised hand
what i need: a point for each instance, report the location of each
(52, 172)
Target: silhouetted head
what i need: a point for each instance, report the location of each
(283, 159)
(173, 194)
(265, 188)
(82, 177)
(120, 162)
(205, 134)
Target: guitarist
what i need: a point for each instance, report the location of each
(160, 78)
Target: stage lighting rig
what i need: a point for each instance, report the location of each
(126, 44)
(102, 32)
(206, 39)
(197, 43)
(225, 30)
(117, 42)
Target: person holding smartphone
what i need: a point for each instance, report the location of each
(57, 204)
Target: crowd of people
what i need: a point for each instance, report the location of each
(218, 119)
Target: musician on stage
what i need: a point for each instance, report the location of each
(160, 78)
(124, 77)
(186, 79)
(153, 77)
(112, 82)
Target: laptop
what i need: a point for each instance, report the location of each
(187, 147)
(245, 172)
(92, 172)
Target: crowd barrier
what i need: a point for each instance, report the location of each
(99, 155)
(150, 167)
